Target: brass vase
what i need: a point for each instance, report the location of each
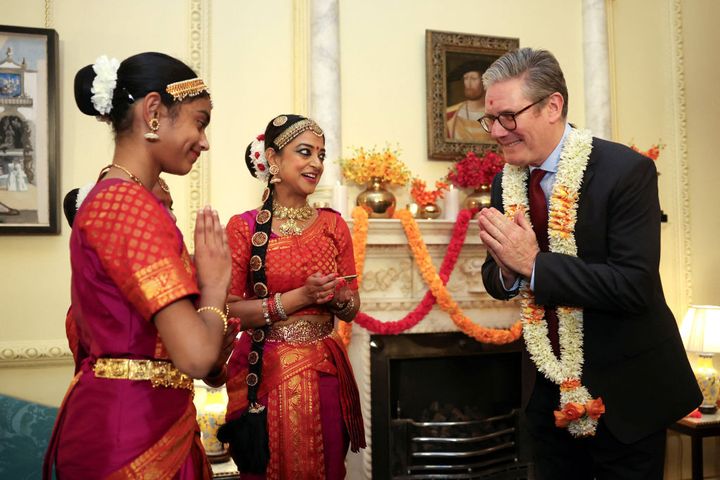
(376, 200)
(429, 210)
(479, 198)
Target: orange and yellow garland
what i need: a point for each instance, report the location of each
(431, 278)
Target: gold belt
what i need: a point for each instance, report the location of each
(300, 331)
(159, 372)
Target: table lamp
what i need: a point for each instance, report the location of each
(700, 331)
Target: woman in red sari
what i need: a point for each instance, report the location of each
(288, 262)
(128, 412)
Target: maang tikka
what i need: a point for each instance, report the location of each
(154, 125)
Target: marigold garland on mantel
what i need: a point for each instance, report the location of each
(422, 258)
(423, 308)
(445, 301)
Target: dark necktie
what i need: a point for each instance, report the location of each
(539, 217)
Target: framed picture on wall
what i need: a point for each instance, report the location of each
(455, 63)
(29, 164)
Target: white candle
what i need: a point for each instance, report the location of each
(452, 203)
(340, 199)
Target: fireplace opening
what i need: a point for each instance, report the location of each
(445, 406)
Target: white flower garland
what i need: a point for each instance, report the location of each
(567, 370)
(257, 155)
(104, 83)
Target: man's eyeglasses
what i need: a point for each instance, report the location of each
(506, 119)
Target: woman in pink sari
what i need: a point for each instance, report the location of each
(146, 318)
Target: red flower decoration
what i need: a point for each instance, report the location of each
(473, 171)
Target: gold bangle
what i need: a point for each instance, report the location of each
(219, 312)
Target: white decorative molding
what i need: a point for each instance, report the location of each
(682, 194)
(34, 353)
(301, 56)
(199, 48)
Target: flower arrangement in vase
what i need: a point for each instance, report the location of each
(476, 173)
(376, 169)
(653, 153)
(427, 199)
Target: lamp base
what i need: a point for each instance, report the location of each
(707, 409)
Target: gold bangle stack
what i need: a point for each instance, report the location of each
(219, 312)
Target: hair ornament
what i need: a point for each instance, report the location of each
(296, 129)
(104, 83)
(280, 120)
(187, 88)
(257, 156)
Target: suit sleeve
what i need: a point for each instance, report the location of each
(626, 279)
(490, 269)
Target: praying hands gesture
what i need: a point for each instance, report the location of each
(511, 242)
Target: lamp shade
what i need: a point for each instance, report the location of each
(700, 329)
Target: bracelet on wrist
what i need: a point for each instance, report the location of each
(220, 313)
(279, 307)
(265, 311)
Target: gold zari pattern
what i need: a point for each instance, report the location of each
(160, 373)
(300, 332)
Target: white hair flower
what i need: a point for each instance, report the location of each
(257, 156)
(104, 83)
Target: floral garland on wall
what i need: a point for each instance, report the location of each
(436, 281)
(579, 412)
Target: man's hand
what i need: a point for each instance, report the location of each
(511, 243)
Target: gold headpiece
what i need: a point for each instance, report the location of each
(296, 129)
(187, 88)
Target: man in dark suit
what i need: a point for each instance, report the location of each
(633, 355)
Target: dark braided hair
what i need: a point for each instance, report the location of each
(247, 435)
(276, 137)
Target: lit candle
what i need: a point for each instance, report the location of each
(452, 203)
(340, 199)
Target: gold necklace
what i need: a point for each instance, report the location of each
(291, 215)
(128, 172)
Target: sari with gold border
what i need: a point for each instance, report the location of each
(128, 262)
(308, 387)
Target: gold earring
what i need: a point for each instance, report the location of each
(154, 126)
(274, 170)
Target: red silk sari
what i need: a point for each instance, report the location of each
(128, 262)
(309, 389)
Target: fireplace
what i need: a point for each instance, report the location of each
(445, 406)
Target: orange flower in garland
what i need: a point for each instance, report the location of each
(359, 241)
(424, 197)
(444, 299)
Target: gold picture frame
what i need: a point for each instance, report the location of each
(451, 124)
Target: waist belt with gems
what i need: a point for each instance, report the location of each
(300, 331)
(160, 373)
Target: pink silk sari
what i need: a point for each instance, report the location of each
(128, 261)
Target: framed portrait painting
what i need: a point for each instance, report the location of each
(29, 165)
(455, 63)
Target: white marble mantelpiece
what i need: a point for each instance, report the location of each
(392, 286)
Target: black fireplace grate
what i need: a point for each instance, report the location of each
(484, 449)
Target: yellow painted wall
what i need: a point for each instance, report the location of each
(382, 50)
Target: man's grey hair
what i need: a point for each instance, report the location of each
(539, 69)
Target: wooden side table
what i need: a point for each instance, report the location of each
(697, 429)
